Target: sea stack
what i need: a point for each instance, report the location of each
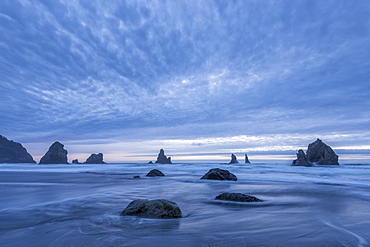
(234, 160)
(246, 159)
(95, 159)
(75, 161)
(318, 153)
(162, 159)
(13, 152)
(55, 155)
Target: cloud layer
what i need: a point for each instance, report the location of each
(190, 70)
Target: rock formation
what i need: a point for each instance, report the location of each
(150, 162)
(75, 161)
(155, 173)
(95, 159)
(219, 174)
(162, 159)
(136, 177)
(233, 159)
(301, 159)
(55, 155)
(237, 197)
(160, 208)
(318, 153)
(246, 159)
(13, 152)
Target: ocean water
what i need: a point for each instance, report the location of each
(79, 205)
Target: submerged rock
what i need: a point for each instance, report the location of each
(219, 174)
(237, 197)
(55, 155)
(321, 153)
(155, 173)
(95, 159)
(318, 153)
(301, 159)
(162, 159)
(233, 159)
(246, 159)
(137, 176)
(160, 208)
(13, 152)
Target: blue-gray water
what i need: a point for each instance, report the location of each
(79, 205)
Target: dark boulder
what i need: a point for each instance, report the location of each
(219, 174)
(162, 159)
(95, 159)
(246, 159)
(13, 152)
(160, 208)
(155, 173)
(321, 154)
(234, 160)
(301, 159)
(237, 197)
(55, 155)
(137, 176)
(75, 161)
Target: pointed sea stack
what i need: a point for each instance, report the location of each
(246, 159)
(318, 153)
(95, 159)
(13, 152)
(301, 159)
(234, 160)
(162, 159)
(55, 155)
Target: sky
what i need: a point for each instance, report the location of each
(201, 79)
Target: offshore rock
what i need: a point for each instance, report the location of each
(321, 153)
(155, 173)
(137, 176)
(13, 152)
(150, 162)
(233, 159)
(246, 159)
(237, 197)
(162, 159)
(301, 159)
(160, 208)
(55, 155)
(75, 161)
(95, 159)
(219, 174)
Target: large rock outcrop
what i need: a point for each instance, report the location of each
(237, 197)
(160, 208)
(219, 174)
(301, 159)
(95, 159)
(13, 152)
(155, 173)
(234, 160)
(162, 159)
(317, 153)
(246, 159)
(55, 155)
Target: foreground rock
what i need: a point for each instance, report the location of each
(55, 155)
(162, 159)
(301, 159)
(219, 174)
(13, 152)
(234, 160)
(237, 197)
(246, 159)
(318, 153)
(95, 159)
(155, 173)
(160, 208)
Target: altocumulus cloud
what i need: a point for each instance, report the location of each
(286, 72)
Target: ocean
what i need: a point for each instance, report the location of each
(79, 205)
